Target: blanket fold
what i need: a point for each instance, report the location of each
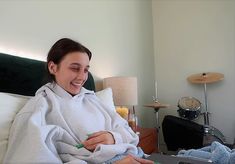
(216, 152)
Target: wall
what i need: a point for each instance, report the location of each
(189, 37)
(119, 33)
(196, 36)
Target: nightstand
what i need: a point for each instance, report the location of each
(148, 139)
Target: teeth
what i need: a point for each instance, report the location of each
(78, 84)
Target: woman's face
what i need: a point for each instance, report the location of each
(72, 72)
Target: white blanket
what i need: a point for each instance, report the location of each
(49, 126)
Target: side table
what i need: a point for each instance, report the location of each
(148, 140)
(156, 106)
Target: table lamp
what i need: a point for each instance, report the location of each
(124, 93)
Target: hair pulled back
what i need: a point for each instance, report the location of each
(60, 49)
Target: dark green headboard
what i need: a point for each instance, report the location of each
(24, 76)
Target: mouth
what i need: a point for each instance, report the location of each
(77, 84)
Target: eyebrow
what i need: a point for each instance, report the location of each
(77, 64)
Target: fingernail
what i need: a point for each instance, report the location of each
(78, 146)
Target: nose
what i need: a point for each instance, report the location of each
(81, 75)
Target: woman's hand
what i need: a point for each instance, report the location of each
(102, 137)
(133, 160)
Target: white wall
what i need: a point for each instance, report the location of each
(119, 33)
(190, 36)
(195, 36)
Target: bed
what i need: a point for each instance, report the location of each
(19, 80)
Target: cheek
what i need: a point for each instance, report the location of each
(86, 77)
(71, 75)
(66, 76)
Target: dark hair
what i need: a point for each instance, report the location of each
(60, 49)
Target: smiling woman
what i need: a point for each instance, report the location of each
(72, 72)
(63, 114)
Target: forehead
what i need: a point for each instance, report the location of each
(76, 57)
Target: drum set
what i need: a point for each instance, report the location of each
(190, 107)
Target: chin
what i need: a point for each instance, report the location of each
(75, 92)
(75, 89)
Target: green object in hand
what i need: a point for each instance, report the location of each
(79, 146)
(156, 162)
(88, 135)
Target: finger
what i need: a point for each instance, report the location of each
(143, 161)
(93, 142)
(93, 145)
(127, 159)
(105, 137)
(90, 147)
(96, 134)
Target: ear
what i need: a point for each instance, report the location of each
(52, 67)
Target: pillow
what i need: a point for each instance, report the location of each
(10, 104)
(106, 96)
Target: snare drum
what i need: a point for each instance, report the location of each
(189, 107)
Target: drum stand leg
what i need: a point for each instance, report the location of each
(158, 128)
(206, 113)
(210, 133)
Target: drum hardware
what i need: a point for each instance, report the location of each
(155, 99)
(156, 105)
(189, 108)
(205, 78)
(210, 132)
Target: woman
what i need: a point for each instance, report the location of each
(64, 122)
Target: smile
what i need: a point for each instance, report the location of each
(76, 84)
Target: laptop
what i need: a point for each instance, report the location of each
(169, 159)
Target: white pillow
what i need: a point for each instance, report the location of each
(10, 104)
(106, 96)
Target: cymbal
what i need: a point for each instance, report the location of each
(207, 77)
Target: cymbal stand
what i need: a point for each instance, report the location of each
(210, 131)
(206, 113)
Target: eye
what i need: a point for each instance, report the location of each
(75, 69)
(86, 70)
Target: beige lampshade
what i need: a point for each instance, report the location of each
(124, 90)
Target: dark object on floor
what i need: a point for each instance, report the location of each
(180, 133)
